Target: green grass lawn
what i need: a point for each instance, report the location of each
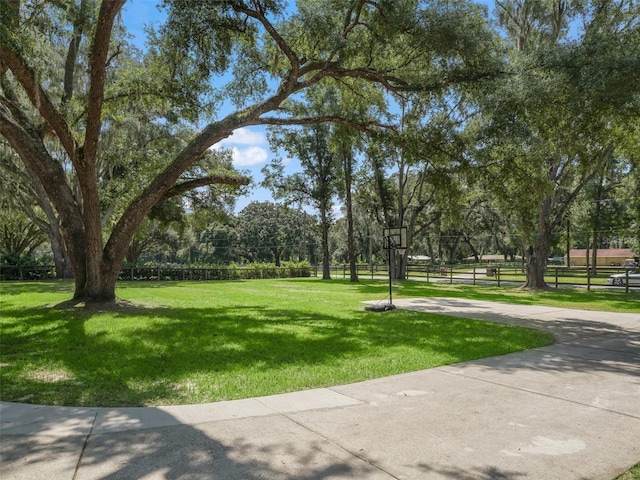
(579, 298)
(632, 474)
(190, 342)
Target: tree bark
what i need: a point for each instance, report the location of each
(60, 258)
(536, 258)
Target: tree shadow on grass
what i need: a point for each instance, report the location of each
(40, 286)
(203, 339)
(159, 355)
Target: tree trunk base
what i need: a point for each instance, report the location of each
(528, 286)
(106, 297)
(115, 305)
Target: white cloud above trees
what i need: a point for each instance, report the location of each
(247, 157)
(248, 147)
(245, 136)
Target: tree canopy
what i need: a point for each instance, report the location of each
(110, 137)
(70, 81)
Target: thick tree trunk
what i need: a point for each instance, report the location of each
(95, 264)
(536, 258)
(536, 265)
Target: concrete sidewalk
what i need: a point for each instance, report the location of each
(566, 411)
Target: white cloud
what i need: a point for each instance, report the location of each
(246, 147)
(247, 157)
(244, 136)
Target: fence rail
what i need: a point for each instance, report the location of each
(555, 276)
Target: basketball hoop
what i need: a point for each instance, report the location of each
(392, 239)
(395, 238)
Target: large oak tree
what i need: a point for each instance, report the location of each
(67, 78)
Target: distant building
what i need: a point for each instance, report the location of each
(606, 257)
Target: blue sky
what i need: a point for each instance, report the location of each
(251, 151)
(250, 147)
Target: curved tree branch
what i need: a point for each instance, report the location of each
(184, 187)
(273, 33)
(27, 77)
(360, 126)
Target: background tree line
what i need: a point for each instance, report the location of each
(480, 134)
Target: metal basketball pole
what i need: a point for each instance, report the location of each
(390, 287)
(391, 245)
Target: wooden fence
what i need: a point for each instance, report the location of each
(555, 276)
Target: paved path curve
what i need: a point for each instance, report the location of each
(569, 411)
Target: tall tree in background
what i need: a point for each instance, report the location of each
(268, 231)
(19, 236)
(315, 184)
(271, 53)
(261, 228)
(551, 125)
(345, 145)
(415, 171)
(218, 243)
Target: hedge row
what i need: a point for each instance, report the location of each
(14, 272)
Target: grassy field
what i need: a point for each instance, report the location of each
(201, 342)
(189, 342)
(580, 298)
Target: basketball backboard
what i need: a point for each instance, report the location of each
(395, 237)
